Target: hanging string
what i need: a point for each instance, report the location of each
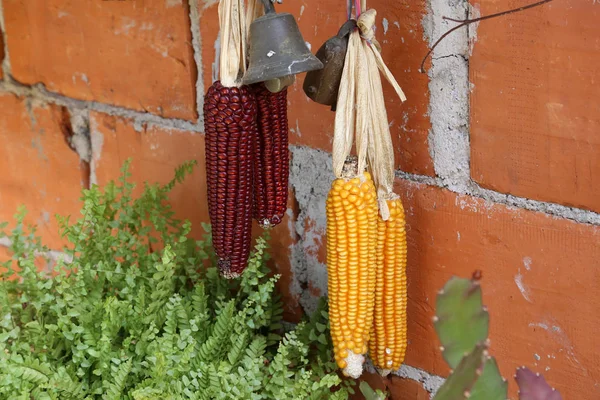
(361, 118)
(366, 24)
(349, 9)
(380, 150)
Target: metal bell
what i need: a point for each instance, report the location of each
(277, 48)
(323, 86)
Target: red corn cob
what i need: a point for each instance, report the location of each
(271, 157)
(230, 128)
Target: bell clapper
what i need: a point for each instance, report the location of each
(278, 84)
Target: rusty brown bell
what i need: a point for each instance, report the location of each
(322, 86)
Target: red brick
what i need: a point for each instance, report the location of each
(403, 47)
(155, 153)
(39, 170)
(136, 54)
(283, 237)
(535, 119)
(540, 276)
(209, 32)
(406, 389)
(397, 388)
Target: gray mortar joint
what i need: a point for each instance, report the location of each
(197, 46)
(430, 382)
(40, 93)
(551, 209)
(310, 177)
(449, 95)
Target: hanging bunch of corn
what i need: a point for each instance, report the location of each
(276, 60)
(366, 244)
(271, 157)
(351, 245)
(247, 161)
(230, 129)
(388, 336)
(351, 231)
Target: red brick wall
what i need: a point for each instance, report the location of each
(536, 110)
(497, 149)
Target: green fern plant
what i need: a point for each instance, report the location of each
(135, 309)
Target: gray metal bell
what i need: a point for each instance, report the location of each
(277, 48)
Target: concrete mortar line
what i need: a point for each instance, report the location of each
(81, 140)
(80, 126)
(53, 255)
(6, 62)
(430, 382)
(40, 93)
(197, 46)
(310, 170)
(308, 154)
(554, 210)
(449, 94)
(424, 179)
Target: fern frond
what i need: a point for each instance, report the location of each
(170, 328)
(62, 386)
(181, 172)
(237, 349)
(209, 350)
(163, 287)
(256, 349)
(149, 393)
(199, 299)
(34, 371)
(214, 386)
(116, 388)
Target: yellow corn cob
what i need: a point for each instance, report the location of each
(351, 245)
(387, 346)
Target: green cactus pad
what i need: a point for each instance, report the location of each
(459, 384)
(461, 321)
(490, 385)
(534, 387)
(369, 393)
